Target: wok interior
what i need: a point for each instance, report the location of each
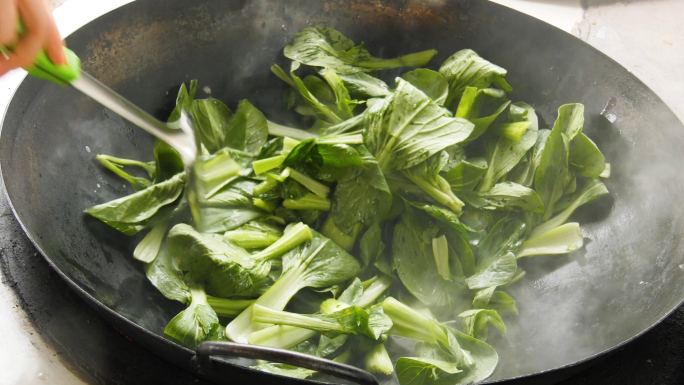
(626, 278)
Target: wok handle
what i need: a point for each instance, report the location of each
(344, 371)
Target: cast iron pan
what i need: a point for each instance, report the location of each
(627, 278)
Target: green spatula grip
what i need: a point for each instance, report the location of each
(43, 68)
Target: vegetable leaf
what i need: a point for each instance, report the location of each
(407, 128)
(503, 154)
(362, 197)
(430, 82)
(134, 212)
(550, 177)
(465, 68)
(196, 323)
(507, 196)
(415, 262)
(591, 191)
(325, 47)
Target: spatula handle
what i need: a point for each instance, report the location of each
(207, 349)
(43, 68)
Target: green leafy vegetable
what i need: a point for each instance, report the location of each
(561, 240)
(550, 177)
(317, 263)
(116, 164)
(475, 322)
(363, 86)
(382, 172)
(196, 323)
(361, 197)
(134, 212)
(507, 196)
(496, 262)
(591, 191)
(407, 128)
(326, 47)
(466, 68)
(503, 154)
(415, 262)
(165, 275)
(430, 82)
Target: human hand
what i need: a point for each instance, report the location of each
(41, 33)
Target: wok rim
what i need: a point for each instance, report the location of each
(99, 307)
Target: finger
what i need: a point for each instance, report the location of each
(25, 52)
(8, 22)
(54, 46)
(34, 15)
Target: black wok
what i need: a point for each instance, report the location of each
(572, 308)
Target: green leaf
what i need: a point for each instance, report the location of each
(165, 275)
(285, 370)
(443, 215)
(133, 213)
(591, 191)
(196, 323)
(342, 99)
(475, 323)
(430, 82)
(466, 68)
(371, 246)
(228, 269)
(475, 358)
(230, 207)
(474, 101)
(364, 86)
(496, 300)
(248, 131)
(325, 47)
(466, 174)
(496, 262)
(503, 154)
(524, 173)
(561, 240)
(484, 358)
(318, 263)
(426, 176)
(424, 371)
(498, 272)
(183, 100)
(317, 107)
(507, 196)
(167, 162)
(211, 119)
(328, 162)
(407, 127)
(511, 131)
(361, 197)
(116, 166)
(415, 262)
(550, 177)
(570, 120)
(585, 155)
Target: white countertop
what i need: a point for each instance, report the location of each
(644, 36)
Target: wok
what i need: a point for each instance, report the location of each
(573, 308)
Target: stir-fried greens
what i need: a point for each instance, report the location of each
(428, 189)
